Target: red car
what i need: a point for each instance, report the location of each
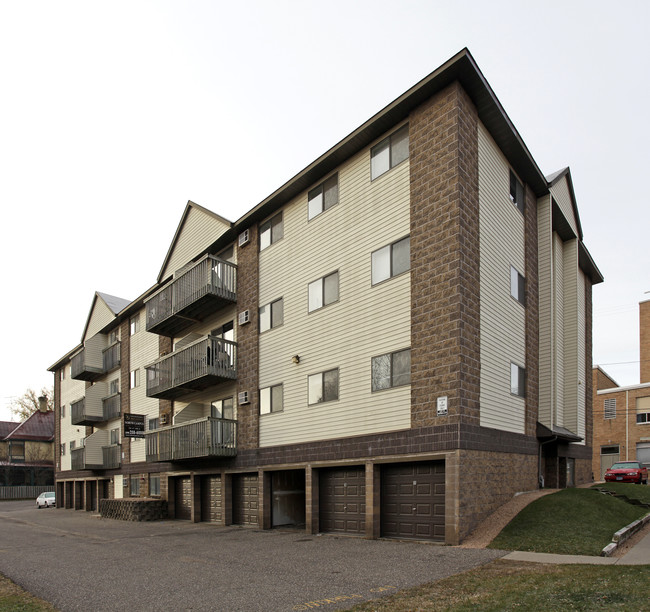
(627, 471)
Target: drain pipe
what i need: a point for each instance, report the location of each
(539, 463)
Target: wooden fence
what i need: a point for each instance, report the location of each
(24, 492)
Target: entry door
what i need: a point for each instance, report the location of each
(608, 457)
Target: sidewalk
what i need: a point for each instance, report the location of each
(638, 555)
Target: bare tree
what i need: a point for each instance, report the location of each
(27, 404)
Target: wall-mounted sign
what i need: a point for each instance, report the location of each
(442, 406)
(134, 425)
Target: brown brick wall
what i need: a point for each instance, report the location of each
(445, 352)
(589, 394)
(165, 407)
(600, 380)
(247, 343)
(125, 384)
(644, 341)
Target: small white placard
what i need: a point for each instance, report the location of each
(442, 406)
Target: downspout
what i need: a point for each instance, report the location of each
(539, 462)
(627, 424)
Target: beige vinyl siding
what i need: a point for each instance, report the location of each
(365, 322)
(558, 328)
(200, 402)
(71, 391)
(562, 196)
(93, 405)
(502, 322)
(99, 318)
(199, 231)
(143, 351)
(94, 444)
(569, 338)
(546, 299)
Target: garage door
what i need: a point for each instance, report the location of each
(244, 499)
(643, 453)
(342, 495)
(183, 498)
(413, 501)
(211, 510)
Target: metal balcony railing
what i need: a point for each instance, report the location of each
(81, 458)
(112, 406)
(207, 437)
(198, 366)
(111, 357)
(207, 286)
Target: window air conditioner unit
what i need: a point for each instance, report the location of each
(242, 397)
(244, 317)
(163, 419)
(244, 238)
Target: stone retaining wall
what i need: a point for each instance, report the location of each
(133, 509)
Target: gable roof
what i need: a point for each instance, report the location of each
(113, 303)
(37, 427)
(6, 427)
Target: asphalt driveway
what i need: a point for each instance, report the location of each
(78, 561)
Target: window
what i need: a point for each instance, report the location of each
(62, 373)
(610, 408)
(516, 192)
(271, 399)
(324, 291)
(271, 231)
(135, 486)
(223, 409)
(272, 315)
(16, 450)
(114, 387)
(134, 325)
(114, 336)
(323, 387)
(225, 332)
(517, 286)
(154, 424)
(391, 370)
(62, 411)
(115, 435)
(73, 445)
(135, 379)
(389, 152)
(154, 485)
(517, 380)
(62, 449)
(642, 410)
(391, 260)
(323, 197)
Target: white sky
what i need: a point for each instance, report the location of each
(114, 114)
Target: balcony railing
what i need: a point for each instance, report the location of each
(198, 366)
(112, 406)
(111, 357)
(207, 286)
(82, 458)
(81, 368)
(79, 415)
(207, 437)
(93, 362)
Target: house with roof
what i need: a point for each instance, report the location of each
(391, 344)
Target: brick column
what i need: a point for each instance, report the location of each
(165, 407)
(532, 314)
(125, 385)
(373, 500)
(644, 341)
(311, 500)
(445, 351)
(196, 499)
(226, 498)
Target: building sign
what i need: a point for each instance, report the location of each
(442, 406)
(134, 425)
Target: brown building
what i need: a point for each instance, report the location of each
(622, 414)
(393, 343)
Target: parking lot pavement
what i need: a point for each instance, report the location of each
(78, 561)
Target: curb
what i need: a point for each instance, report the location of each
(624, 534)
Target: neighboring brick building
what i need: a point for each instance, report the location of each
(622, 414)
(393, 343)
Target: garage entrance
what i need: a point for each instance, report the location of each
(183, 498)
(413, 501)
(245, 502)
(211, 506)
(342, 495)
(288, 494)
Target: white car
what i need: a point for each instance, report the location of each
(46, 500)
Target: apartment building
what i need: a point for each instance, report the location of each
(391, 344)
(622, 413)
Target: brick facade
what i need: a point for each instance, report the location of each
(644, 341)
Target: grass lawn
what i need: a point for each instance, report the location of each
(570, 522)
(15, 599)
(632, 491)
(510, 585)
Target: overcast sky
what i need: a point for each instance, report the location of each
(115, 114)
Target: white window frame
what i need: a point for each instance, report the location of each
(517, 192)
(386, 255)
(517, 380)
(267, 314)
(316, 289)
(319, 379)
(323, 197)
(134, 379)
(134, 324)
(517, 286)
(375, 364)
(378, 166)
(271, 231)
(269, 396)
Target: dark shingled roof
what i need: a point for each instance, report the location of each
(39, 426)
(6, 427)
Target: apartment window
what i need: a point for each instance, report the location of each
(323, 197)
(610, 408)
(391, 370)
(154, 424)
(517, 286)
(135, 379)
(134, 325)
(62, 411)
(517, 380)
(62, 373)
(62, 448)
(516, 192)
(154, 485)
(323, 387)
(114, 387)
(271, 399)
(389, 152)
(73, 445)
(135, 486)
(642, 410)
(391, 260)
(272, 315)
(225, 332)
(271, 231)
(114, 336)
(115, 435)
(223, 409)
(324, 291)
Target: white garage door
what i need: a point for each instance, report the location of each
(643, 453)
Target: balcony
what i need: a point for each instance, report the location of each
(79, 416)
(95, 359)
(200, 365)
(96, 454)
(207, 437)
(112, 406)
(209, 285)
(96, 407)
